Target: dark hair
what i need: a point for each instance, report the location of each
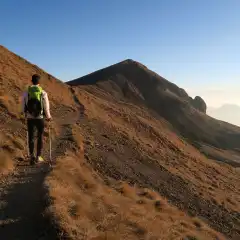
(35, 79)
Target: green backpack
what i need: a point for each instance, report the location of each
(35, 101)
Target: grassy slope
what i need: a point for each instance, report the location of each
(88, 208)
(124, 143)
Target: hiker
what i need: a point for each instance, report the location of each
(35, 106)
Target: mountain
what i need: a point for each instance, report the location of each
(126, 160)
(133, 81)
(227, 112)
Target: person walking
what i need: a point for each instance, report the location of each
(35, 108)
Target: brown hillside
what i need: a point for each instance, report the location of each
(121, 171)
(218, 140)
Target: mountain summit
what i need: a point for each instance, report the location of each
(131, 73)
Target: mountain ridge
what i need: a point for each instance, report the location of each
(129, 78)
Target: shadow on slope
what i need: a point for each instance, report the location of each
(25, 204)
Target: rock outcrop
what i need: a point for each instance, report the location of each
(199, 104)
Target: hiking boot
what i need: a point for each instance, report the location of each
(32, 160)
(40, 159)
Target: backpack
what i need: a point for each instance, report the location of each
(35, 101)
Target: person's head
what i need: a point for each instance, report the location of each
(35, 79)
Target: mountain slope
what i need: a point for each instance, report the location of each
(127, 142)
(121, 169)
(138, 84)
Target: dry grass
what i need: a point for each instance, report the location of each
(11, 149)
(6, 163)
(11, 105)
(86, 208)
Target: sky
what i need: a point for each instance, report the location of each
(193, 43)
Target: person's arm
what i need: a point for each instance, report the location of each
(23, 103)
(46, 105)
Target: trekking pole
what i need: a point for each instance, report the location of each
(27, 145)
(27, 137)
(50, 144)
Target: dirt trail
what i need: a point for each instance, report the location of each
(23, 195)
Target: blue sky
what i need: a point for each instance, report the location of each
(193, 43)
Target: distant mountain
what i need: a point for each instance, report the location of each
(228, 113)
